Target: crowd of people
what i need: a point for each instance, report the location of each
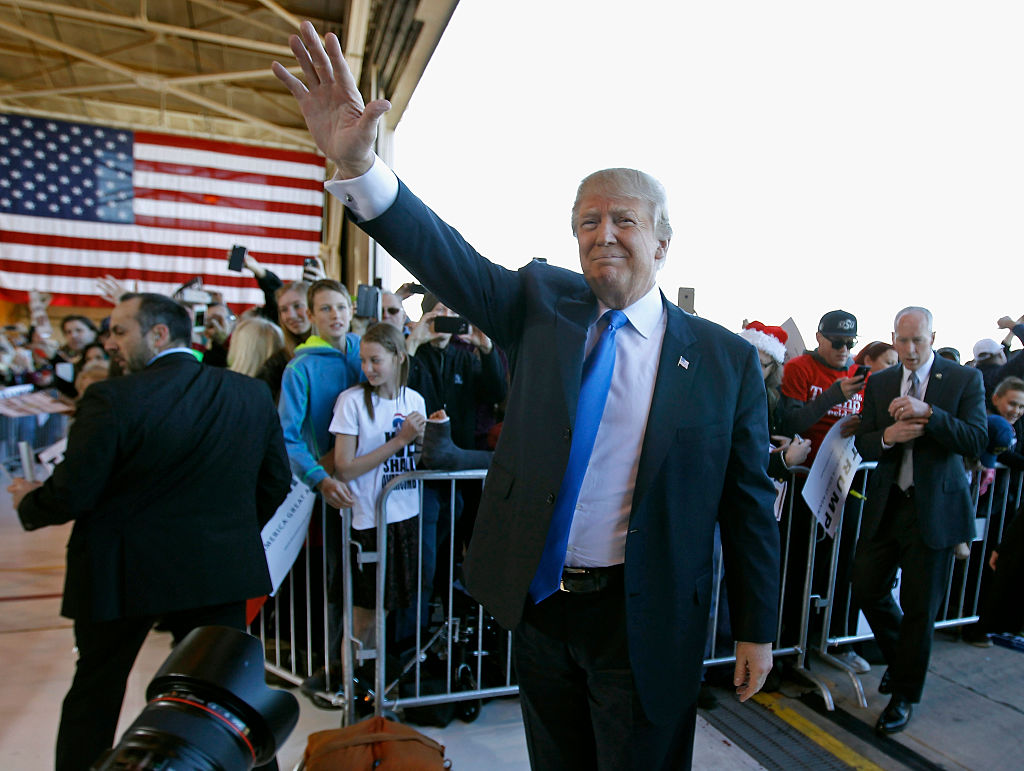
(636, 437)
(354, 410)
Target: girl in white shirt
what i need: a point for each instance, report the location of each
(376, 425)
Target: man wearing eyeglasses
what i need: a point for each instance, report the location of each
(821, 386)
(391, 311)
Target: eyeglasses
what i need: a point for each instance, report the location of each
(838, 343)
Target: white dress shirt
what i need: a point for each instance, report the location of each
(598, 534)
(597, 537)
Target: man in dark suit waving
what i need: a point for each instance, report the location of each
(169, 474)
(631, 429)
(918, 420)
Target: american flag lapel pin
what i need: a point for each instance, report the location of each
(685, 364)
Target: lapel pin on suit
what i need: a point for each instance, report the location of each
(938, 376)
(685, 364)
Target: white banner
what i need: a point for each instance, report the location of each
(285, 533)
(831, 475)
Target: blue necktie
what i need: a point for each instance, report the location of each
(597, 379)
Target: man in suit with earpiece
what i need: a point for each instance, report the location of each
(918, 422)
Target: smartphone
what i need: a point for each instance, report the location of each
(452, 325)
(200, 317)
(236, 258)
(368, 301)
(862, 371)
(685, 298)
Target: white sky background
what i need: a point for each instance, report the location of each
(817, 155)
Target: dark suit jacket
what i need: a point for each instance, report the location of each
(703, 458)
(958, 427)
(169, 474)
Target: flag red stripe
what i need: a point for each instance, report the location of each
(226, 227)
(61, 299)
(179, 169)
(232, 148)
(90, 271)
(212, 199)
(166, 250)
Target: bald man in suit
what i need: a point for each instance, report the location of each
(918, 422)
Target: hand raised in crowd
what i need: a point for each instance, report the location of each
(422, 332)
(478, 339)
(111, 289)
(254, 265)
(215, 328)
(313, 272)
(336, 493)
(341, 125)
(1008, 323)
(412, 427)
(851, 385)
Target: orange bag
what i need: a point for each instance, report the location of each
(373, 743)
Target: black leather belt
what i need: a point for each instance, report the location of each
(587, 580)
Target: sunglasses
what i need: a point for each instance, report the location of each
(838, 343)
(392, 311)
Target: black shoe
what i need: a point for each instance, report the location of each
(885, 684)
(894, 718)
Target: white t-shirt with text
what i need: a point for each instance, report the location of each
(352, 418)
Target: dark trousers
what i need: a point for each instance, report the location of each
(580, 706)
(106, 653)
(903, 632)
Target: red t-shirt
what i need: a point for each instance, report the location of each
(804, 379)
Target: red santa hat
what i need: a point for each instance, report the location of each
(770, 340)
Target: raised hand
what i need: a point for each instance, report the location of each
(341, 125)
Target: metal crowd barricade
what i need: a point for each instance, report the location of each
(295, 625)
(450, 631)
(40, 431)
(963, 589)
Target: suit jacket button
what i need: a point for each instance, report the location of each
(567, 435)
(551, 498)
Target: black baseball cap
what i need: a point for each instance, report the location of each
(838, 324)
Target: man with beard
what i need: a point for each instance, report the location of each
(169, 475)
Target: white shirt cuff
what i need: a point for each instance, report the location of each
(367, 196)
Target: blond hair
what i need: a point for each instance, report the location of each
(254, 340)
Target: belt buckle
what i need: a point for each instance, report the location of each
(561, 580)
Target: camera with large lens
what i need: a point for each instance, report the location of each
(209, 710)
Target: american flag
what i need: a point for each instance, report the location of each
(79, 201)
